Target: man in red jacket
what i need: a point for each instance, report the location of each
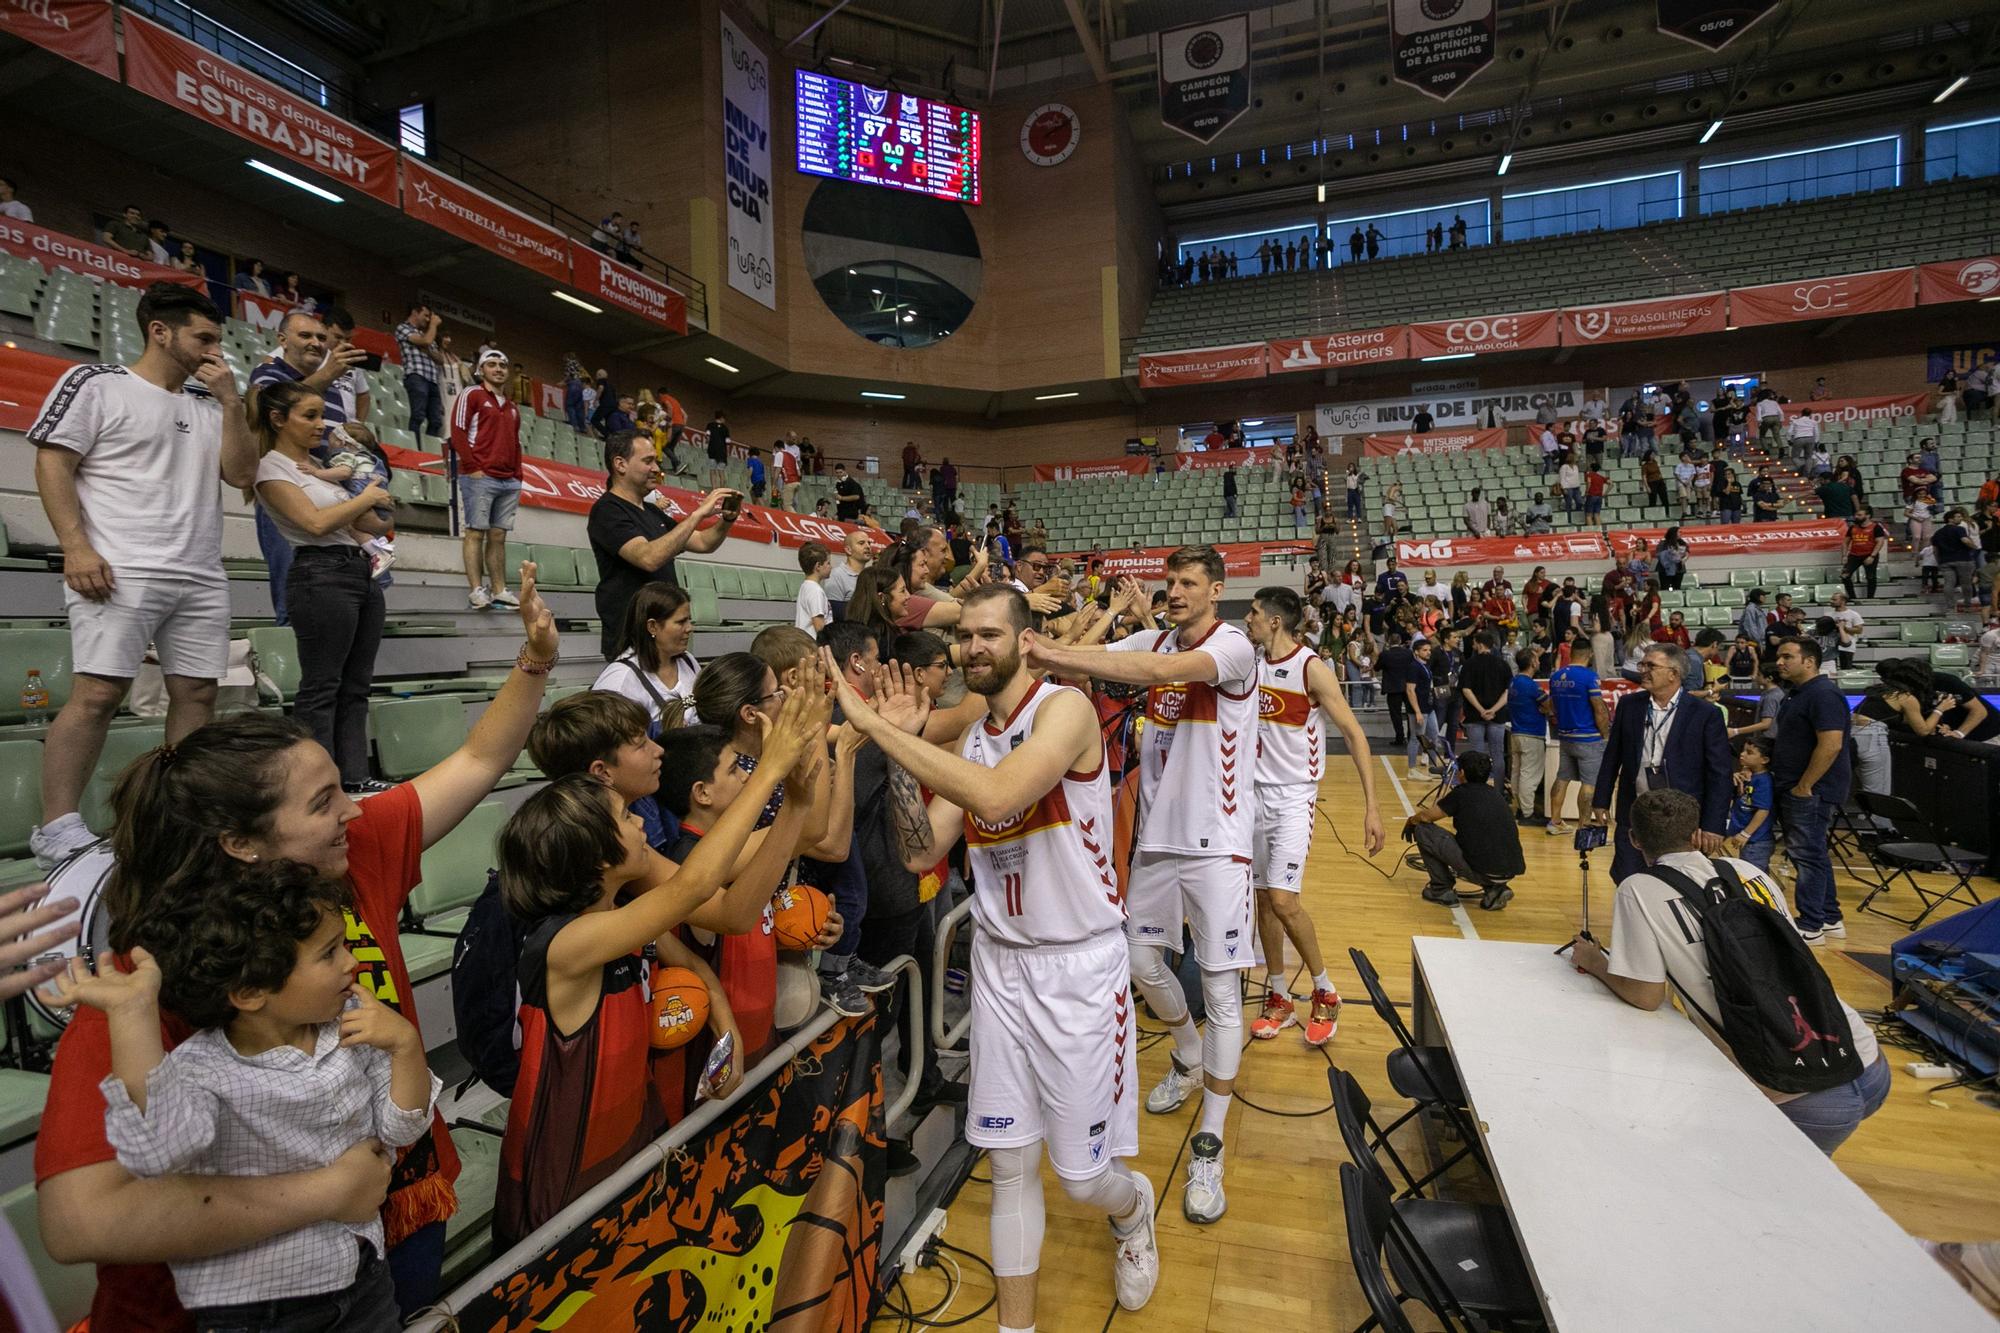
(486, 437)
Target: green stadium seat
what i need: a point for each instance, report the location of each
(1693, 597)
(1774, 577)
(516, 553)
(692, 574)
(478, 1179)
(1950, 656)
(704, 608)
(780, 586)
(67, 1287)
(1800, 594)
(1672, 598)
(25, 650)
(454, 869)
(1822, 593)
(1717, 617)
(1745, 578)
(274, 658)
(122, 745)
(1734, 598)
(411, 735)
(1918, 633)
(728, 581)
(555, 566)
(20, 793)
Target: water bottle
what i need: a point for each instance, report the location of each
(35, 700)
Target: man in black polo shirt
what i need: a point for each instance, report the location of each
(635, 543)
(1394, 671)
(847, 495)
(1484, 682)
(1486, 847)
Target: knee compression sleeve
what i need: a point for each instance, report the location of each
(1112, 1191)
(1222, 1038)
(1158, 983)
(1018, 1212)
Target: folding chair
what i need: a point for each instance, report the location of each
(1914, 844)
(1461, 1261)
(1364, 1138)
(1424, 1074)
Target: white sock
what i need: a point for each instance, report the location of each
(1322, 982)
(1187, 1043)
(1276, 981)
(1006, 1329)
(1214, 1110)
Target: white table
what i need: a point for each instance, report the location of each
(1651, 1185)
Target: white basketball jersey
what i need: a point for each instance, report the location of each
(1043, 876)
(1199, 745)
(1291, 737)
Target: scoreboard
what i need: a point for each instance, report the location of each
(853, 132)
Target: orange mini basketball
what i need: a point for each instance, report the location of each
(798, 915)
(679, 1008)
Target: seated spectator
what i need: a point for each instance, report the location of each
(250, 277)
(128, 233)
(1659, 922)
(290, 1066)
(10, 205)
(1485, 847)
(655, 670)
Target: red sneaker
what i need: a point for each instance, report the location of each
(1324, 1019)
(1277, 1016)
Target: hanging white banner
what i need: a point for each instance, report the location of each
(746, 161)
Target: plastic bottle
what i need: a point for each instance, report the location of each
(35, 700)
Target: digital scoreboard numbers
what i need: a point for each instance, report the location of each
(852, 132)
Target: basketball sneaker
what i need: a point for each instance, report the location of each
(1202, 1200)
(1137, 1263)
(1323, 1019)
(1277, 1016)
(1172, 1091)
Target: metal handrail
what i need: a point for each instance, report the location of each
(942, 1037)
(900, 1107)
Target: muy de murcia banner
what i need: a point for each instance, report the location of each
(169, 67)
(451, 205)
(78, 30)
(746, 145)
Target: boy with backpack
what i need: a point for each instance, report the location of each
(1715, 934)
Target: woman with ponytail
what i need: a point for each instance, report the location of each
(249, 789)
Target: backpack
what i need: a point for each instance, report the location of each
(1776, 1009)
(485, 992)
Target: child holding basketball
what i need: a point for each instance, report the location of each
(584, 1103)
(292, 1066)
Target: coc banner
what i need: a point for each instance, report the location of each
(630, 290)
(1205, 76)
(1244, 361)
(1486, 333)
(746, 165)
(52, 249)
(1823, 298)
(195, 80)
(1840, 411)
(770, 1220)
(1358, 347)
(1436, 46)
(1436, 442)
(1713, 24)
(78, 30)
(449, 204)
(1635, 321)
(1093, 469)
(1959, 280)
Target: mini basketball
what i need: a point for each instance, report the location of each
(798, 915)
(679, 1007)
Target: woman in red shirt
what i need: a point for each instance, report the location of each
(246, 788)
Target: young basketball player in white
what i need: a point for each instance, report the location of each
(1054, 1052)
(1191, 858)
(1294, 687)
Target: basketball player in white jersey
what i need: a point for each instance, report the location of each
(1294, 687)
(1191, 857)
(1054, 1050)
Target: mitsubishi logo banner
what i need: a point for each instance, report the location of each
(1205, 76)
(1436, 46)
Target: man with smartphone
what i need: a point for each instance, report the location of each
(635, 542)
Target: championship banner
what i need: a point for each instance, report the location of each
(1436, 442)
(1636, 321)
(1217, 460)
(771, 1220)
(746, 166)
(1557, 548)
(1883, 407)
(1754, 539)
(78, 30)
(1205, 76)
(627, 288)
(1359, 347)
(1437, 46)
(1244, 361)
(451, 205)
(52, 249)
(1822, 298)
(1461, 409)
(1487, 333)
(1096, 468)
(1959, 280)
(167, 66)
(1711, 24)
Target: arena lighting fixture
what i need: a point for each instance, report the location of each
(1710, 132)
(291, 180)
(1322, 192)
(891, 397)
(721, 365)
(1040, 397)
(576, 301)
(1951, 88)
(1506, 161)
(1449, 356)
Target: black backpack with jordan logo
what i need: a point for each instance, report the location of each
(1776, 1009)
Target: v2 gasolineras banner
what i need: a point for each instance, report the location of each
(1636, 321)
(78, 30)
(746, 166)
(195, 80)
(772, 1220)
(1437, 46)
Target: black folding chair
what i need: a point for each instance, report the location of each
(1458, 1260)
(1365, 1138)
(1424, 1074)
(1914, 844)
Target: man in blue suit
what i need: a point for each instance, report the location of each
(1664, 737)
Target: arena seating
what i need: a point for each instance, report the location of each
(1166, 510)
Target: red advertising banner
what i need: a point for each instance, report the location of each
(78, 30)
(1636, 321)
(1357, 347)
(1557, 548)
(1132, 465)
(1437, 442)
(167, 66)
(453, 206)
(25, 380)
(548, 398)
(1215, 460)
(1885, 407)
(620, 285)
(1822, 298)
(1486, 333)
(1959, 280)
(52, 249)
(1245, 361)
(266, 313)
(1239, 559)
(1754, 539)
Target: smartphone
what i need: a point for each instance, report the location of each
(716, 1069)
(733, 506)
(371, 362)
(1589, 837)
